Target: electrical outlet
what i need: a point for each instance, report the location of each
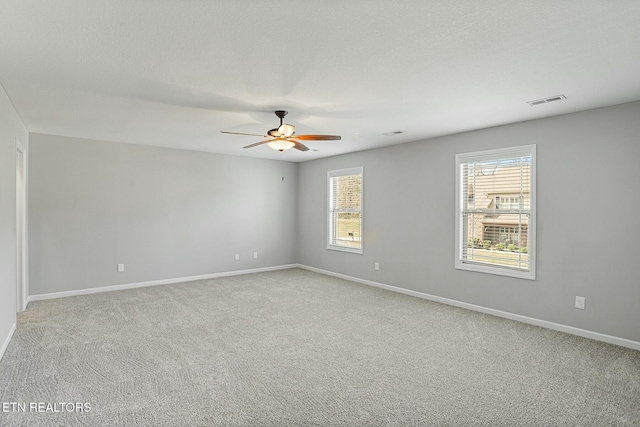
(120, 268)
(376, 266)
(255, 255)
(580, 301)
(237, 257)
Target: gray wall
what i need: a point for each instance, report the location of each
(173, 213)
(588, 223)
(11, 127)
(164, 213)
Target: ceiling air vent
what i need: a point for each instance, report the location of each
(545, 100)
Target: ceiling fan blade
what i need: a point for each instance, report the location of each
(299, 146)
(318, 137)
(258, 143)
(240, 133)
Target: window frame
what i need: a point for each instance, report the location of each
(487, 155)
(330, 229)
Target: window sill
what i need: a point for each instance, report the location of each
(487, 269)
(345, 249)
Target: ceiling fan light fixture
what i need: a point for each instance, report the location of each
(286, 130)
(273, 132)
(281, 144)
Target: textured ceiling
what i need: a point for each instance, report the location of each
(176, 73)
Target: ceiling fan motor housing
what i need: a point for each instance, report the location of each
(280, 131)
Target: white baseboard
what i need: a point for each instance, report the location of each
(530, 320)
(65, 294)
(5, 344)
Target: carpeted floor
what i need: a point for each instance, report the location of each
(295, 348)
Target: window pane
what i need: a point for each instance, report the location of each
(347, 191)
(497, 239)
(347, 229)
(499, 184)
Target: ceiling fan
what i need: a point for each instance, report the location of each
(283, 137)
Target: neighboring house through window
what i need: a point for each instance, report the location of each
(495, 211)
(345, 210)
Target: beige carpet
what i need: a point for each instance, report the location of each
(289, 348)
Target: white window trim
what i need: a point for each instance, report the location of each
(342, 172)
(531, 239)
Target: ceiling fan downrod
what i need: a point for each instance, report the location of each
(281, 114)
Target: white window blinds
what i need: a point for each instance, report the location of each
(345, 209)
(495, 216)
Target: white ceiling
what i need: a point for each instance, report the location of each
(176, 73)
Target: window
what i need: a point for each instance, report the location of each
(495, 211)
(345, 210)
